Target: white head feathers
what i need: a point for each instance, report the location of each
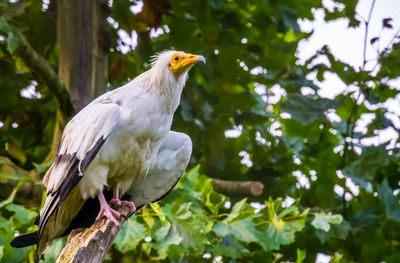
(162, 58)
(168, 73)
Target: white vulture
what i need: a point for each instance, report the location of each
(121, 142)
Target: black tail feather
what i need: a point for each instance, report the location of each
(25, 240)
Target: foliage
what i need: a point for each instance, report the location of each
(203, 224)
(250, 48)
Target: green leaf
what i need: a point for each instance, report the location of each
(366, 165)
(240, 210)
(4, 26)
(174, 253)
(53, 250)
(17, 177)
(391, 202)
(277, 226)
(216, 4)
(21, 214)
(130, 235)
(289, 18)
(182, 211)
(13, 41)
(165, 236)
(307, 109)
(42, 167)
(301, 255)
(296, 144)
(229, 247)
(339, 231)
(337, 258)
(274, 235)
(379, 123)
(11, 197)
(364, 218)
(237, 208)
(323, 221)
(162, 231)
(243, 230)
(229, 252)
(5, 224)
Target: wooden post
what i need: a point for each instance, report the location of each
(92, 244)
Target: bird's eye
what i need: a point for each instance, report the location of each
(176, 58)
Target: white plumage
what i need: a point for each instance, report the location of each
(171, 161)
(120, 141)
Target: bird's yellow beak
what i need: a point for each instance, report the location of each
(181, 62)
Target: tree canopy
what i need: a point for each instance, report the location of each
(251, 51)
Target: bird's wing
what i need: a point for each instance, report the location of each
(82, 139)
(171, 161)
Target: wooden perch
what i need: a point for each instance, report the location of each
(92, 244)
(254, 188)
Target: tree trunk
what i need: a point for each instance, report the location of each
(83, 37)
(83, 42)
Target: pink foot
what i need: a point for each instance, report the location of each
(116, 202)
(108, 212)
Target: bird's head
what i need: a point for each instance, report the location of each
(177, 62)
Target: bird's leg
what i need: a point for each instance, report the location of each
(115, 201)
(106, 210)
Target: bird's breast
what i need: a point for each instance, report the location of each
(131, 149)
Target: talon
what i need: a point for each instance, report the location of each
(110, 214)
(130, 204)
(115, 202)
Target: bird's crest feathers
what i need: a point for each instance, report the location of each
(166, 54)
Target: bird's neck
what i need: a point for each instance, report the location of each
(165, 88)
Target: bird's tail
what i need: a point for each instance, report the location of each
(25, 240)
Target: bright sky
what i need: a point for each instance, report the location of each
(347, 46)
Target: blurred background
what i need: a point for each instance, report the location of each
(294, 121)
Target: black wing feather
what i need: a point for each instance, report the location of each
(71, 180)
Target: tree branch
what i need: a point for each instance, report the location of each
(92, 244)
(28, 194)
(46, 73)
(366, 35)
(10, 174)
(254, 188)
